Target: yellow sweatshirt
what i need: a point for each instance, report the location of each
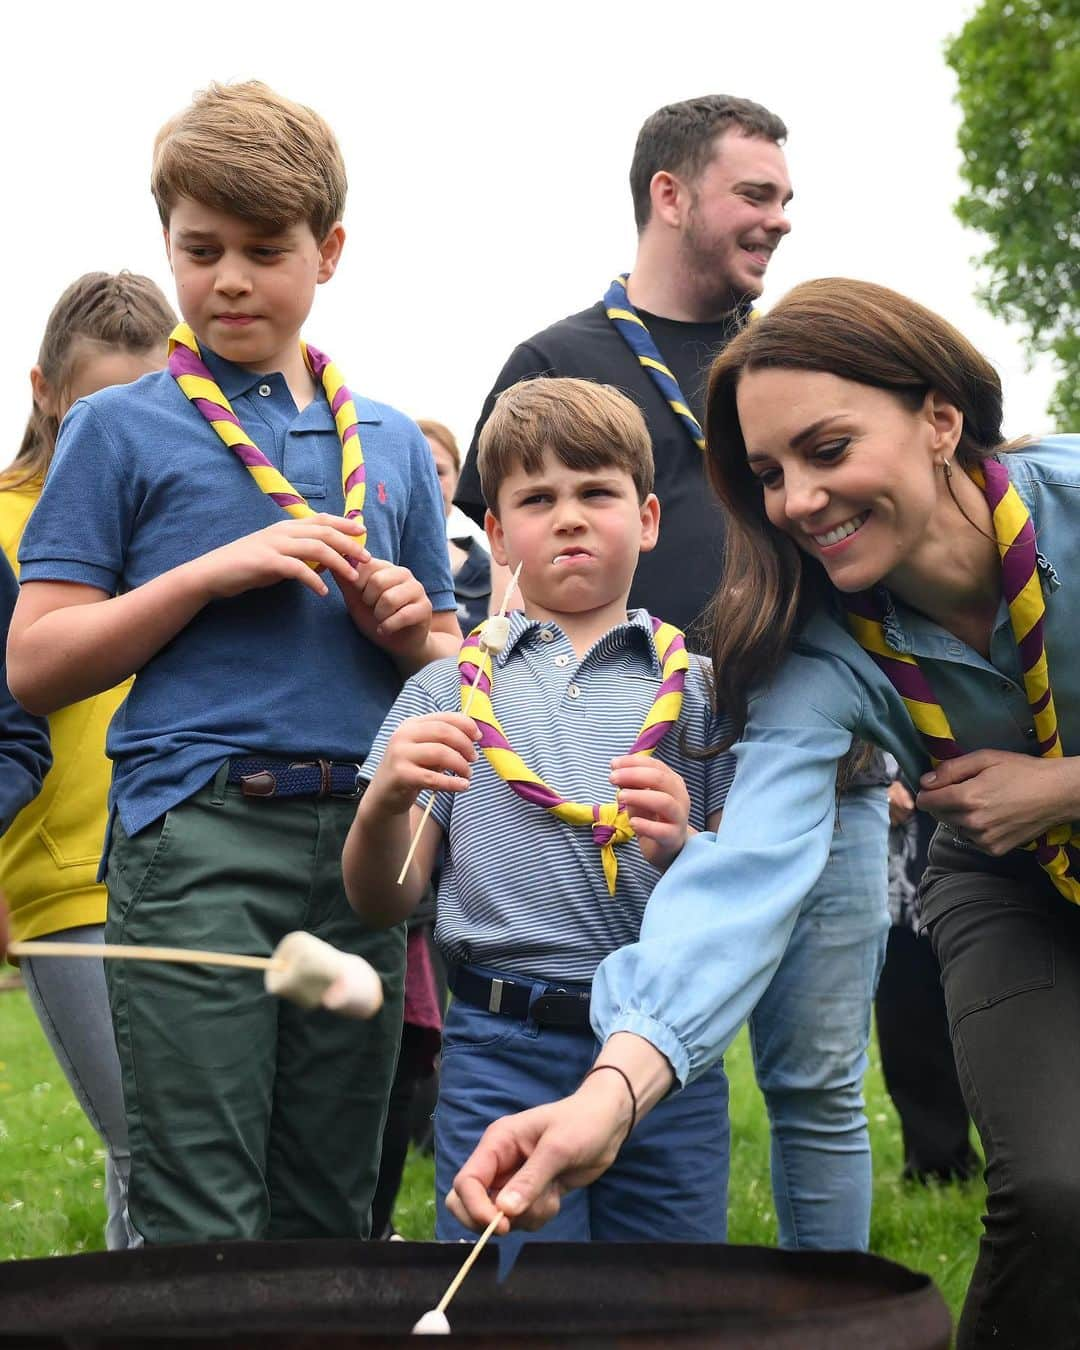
(49, 856)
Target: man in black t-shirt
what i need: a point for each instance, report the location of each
(710, 185)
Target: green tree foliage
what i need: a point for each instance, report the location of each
(1018, 67)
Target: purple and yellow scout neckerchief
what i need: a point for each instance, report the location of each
(191, 373)
(609, 823)
(1058, 850)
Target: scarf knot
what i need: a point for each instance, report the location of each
(611, 827)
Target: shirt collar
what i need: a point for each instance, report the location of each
(235, 381)
(636, 629)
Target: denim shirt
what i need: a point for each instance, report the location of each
(718, 921)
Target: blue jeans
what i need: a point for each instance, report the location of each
(669, 1182)
(810, 1033)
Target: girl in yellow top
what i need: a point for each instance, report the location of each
(104, 330)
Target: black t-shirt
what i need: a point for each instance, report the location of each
(675, 580)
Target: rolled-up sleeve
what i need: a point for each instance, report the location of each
(719, 920)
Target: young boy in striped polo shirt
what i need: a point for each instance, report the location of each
(528, 906)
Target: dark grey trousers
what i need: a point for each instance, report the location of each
(1009, 949)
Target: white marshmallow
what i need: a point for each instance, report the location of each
(433, 1323)
(495, 633)
(357, 991)
(316, 974)
(311, 967)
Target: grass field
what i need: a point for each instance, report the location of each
(51, 1195)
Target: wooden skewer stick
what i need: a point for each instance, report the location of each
(113, 952)
(439, 1309)
(511, 587)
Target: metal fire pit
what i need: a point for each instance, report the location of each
(332, 1295)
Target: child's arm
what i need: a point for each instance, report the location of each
(391, 608)
(25, 753)
(69, 640)
(421, 753)
(655, 798)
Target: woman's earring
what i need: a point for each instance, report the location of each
(946, 467)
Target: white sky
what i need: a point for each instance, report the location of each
(488, 147)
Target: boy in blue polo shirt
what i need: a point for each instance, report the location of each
(174, 540)
(529, 902)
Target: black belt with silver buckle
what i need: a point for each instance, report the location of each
(556, 1006)
(263, 777)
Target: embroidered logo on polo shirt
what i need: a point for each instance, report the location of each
(381, 491)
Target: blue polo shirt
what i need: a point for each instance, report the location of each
(141, 483)
(701, 966)
(521, 891)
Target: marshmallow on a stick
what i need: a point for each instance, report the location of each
(494, 633)
(433, 1323)
(315, 974)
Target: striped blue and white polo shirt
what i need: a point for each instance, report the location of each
(521, 891)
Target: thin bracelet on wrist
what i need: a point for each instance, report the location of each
(629, 1087)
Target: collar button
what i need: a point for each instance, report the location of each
(265, 390)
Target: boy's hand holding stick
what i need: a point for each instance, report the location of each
(492, 639)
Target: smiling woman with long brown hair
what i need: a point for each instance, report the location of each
(895, 572)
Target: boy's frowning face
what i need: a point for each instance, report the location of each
(578, 533)
(246, 293)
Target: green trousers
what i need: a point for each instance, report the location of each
(248, 1117)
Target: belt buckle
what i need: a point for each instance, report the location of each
(358, 786)
(561, 1008)
(323, 766)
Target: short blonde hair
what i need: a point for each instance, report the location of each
(246, 150)
(442, 435)
(585, 426)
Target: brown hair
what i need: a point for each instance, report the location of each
(246, 150)
(436, 431)
(860, 332)
(585, 425)
(680, 138)
(125, 312)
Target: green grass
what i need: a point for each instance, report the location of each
(51, 1199)
(52, 1177)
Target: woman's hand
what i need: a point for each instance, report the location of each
(525, 1164)
(528, 1162)
(1000, 800)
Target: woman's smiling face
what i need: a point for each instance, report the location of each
(848, 470)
